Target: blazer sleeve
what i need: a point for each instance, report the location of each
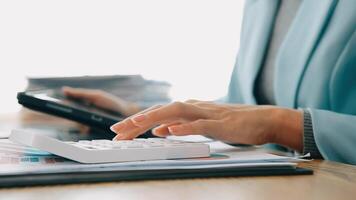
(335, 129)
(335, 135)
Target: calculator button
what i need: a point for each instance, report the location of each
(139, 139)
(174, 145)
(101, 141)
(87, 146)
(69, 142)
(84, 141)
(154, 145)
(134, 145)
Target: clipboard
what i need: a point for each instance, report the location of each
(136, 175)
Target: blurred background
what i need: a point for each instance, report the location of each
(191, 44)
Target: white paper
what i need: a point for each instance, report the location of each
(17, 159)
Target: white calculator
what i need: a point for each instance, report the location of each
(105, 151)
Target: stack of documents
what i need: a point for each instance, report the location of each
(20, 165)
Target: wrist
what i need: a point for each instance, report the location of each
(288, 128)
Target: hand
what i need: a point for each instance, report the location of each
(244, 124)
(102, 99)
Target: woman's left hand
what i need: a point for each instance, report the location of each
(232, 123)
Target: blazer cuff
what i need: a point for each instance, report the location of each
(309, 145)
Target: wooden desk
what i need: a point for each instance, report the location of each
(330, 181)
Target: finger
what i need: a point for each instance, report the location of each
(164, 114)
(127, 123)
(198, 127)
(168, 114)
(149, 109)
(162, 130)
(130, 133)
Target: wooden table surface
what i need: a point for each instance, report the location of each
(330, 181)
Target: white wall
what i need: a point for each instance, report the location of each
(190, 43)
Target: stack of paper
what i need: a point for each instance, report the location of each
(23, 166)
(18, 159)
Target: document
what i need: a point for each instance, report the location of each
(16, 159)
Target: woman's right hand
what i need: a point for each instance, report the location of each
(103, 100)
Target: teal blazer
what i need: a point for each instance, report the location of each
(315, 68)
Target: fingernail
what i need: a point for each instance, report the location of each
(154, 131)
(118, 137)
(115, 138)
(117, 127)
(139, 118)
(173, 129)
